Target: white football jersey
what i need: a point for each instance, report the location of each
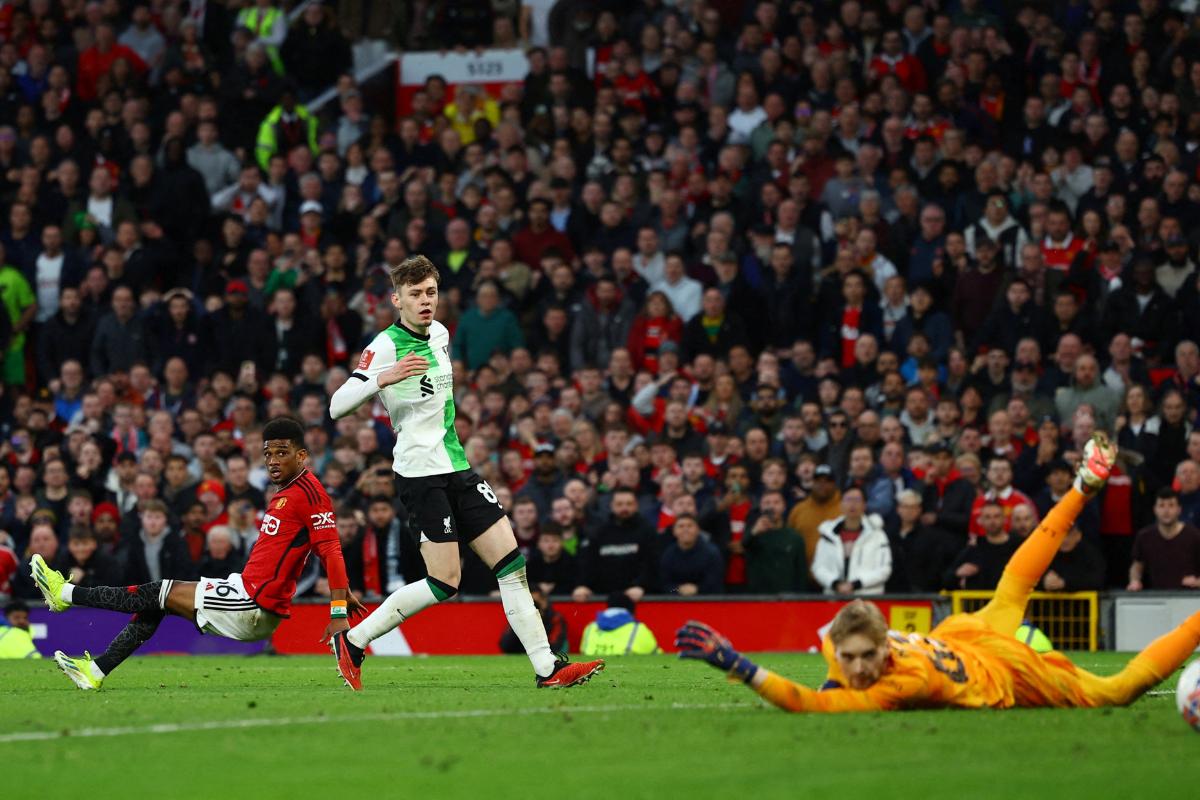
(421, 409)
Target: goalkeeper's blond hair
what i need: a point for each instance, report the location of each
(859, 616)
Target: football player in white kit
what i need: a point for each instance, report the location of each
(408, 365)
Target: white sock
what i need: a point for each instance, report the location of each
(97, 673)
(525, 620)
(399, 606)
(67, 592)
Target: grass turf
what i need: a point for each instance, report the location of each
(475, 727)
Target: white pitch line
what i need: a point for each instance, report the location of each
(236, 724)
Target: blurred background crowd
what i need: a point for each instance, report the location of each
(746, 297)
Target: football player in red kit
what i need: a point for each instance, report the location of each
(247, 606)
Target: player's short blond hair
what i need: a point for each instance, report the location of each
(859, 616)
(411, 271)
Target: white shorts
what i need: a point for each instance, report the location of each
(223, 607)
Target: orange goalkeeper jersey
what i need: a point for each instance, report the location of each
(962, 664)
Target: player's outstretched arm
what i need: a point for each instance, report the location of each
(343, 604)
(699, 641)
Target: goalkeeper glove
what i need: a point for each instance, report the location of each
(697, 640)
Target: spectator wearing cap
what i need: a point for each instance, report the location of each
(692, 564)
(601, 326)
(15, 639)
(237, 333)
(616, 631)
(486, 328)
(546, 482)
(822, 504)
(106, 521)
(156, 552)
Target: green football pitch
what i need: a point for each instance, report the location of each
(267, 727)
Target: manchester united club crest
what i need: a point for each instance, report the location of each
(282, 502)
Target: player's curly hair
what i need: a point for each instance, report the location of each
(859, 616)
(411, 271)
(284, 428)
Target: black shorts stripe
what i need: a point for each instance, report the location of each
(213, 602)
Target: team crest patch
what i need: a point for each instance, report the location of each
(209, 587)
(446, 523)
(364, 361)
(282, 502)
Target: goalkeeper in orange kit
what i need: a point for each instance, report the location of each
(970, 660)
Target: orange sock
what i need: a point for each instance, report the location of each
(1033, 557)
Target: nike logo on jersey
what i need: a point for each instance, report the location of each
(323, 520)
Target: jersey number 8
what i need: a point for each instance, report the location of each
(488, 494)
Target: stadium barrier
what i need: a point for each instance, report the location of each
(92, 629)
(474, 626)
(1070, 619)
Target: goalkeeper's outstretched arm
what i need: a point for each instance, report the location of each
(699, 641)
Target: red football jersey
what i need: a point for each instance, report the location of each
(298, 520)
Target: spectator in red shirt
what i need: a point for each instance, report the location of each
(97, 60)
(654, 326)
(894, 61)
(532, 241)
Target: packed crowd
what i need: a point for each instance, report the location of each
(777, 297)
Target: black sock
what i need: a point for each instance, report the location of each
(357, 654)
(126, 599)
(132, 636)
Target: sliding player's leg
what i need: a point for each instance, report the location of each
(1007, 608)
(1145, 671)
(497, 547)
(149, 603)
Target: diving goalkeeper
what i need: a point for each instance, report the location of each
(970, 660)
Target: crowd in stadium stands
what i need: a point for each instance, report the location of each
(758, 297)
